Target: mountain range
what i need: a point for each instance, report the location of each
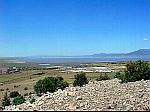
(140, 52)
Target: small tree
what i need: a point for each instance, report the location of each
(18, 100)
(6, 100)
(50, 84)
(80, 79)
(137, 71)
(14, 94)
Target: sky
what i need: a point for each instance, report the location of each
(73, 27)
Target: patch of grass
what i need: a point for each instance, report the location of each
(107, 64)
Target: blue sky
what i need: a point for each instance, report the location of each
(73, 27)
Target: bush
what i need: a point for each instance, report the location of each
(103, 77)
(49, 84)
(1, 89)
(6, 100)
(26, 94)
(14, 94)
(18, 100)
(137, 71)
(32, 100)
(80, 79)
(120, 76)
(40, 73)
(25, 88)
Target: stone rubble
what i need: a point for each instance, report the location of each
(109, 95)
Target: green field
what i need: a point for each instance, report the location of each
(106, 64)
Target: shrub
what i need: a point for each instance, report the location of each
(40, 73)
(32, 100)
(6, 100)
(15, 86)
(25, 88)
(26, 94)
(120, 76)
(18, 100)
(103, 77)
(80, 79)
(14, 94)
(137, 71)
(30, 93)
(1, 89)
(49, 84)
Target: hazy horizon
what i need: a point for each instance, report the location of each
(73, 27)
(84, 55)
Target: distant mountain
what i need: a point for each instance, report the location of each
(140, 52)
(108, 55)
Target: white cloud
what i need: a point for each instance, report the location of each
(146, 39)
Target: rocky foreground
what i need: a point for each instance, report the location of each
(95, 96)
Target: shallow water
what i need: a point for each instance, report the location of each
(83, 60)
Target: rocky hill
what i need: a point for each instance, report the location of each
(95, 96)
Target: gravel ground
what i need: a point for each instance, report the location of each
(109, 95)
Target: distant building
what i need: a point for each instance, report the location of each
(4, 70)
(9, 70)
(15, 69)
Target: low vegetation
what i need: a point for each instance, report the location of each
(120, 76)
(6, 100)
(14, 94)
(40, 73)
(136, 71)
(80, 79)
(32, 100)
(26, 88)
(103, 77)
(18, 100)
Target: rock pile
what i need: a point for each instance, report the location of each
(95, 96)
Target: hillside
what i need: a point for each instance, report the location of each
(95, 96)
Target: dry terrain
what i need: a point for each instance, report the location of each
(18, 81)
(109, 95)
